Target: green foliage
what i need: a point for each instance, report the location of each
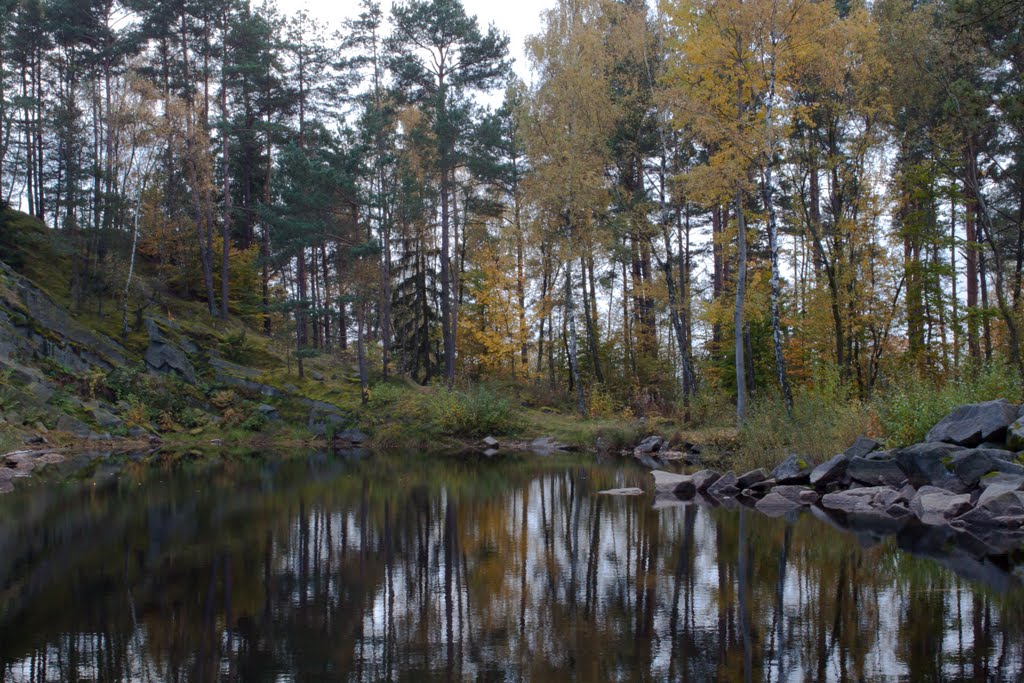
(478, 412)
(235, 347)
(825, 422)
(256, 422)
(908, 411)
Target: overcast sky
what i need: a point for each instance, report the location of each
(517, 18)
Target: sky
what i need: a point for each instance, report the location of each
(517, 18)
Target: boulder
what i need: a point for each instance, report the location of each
(831, 471)
(666, 482)
(971, 465)
(50, 459)
(1005, 508)
(66, 423)
(995, 491)
(725, 486)
(356, 436)
(925, 465)
(705, 479)
(792, 470)
(622, 492)
(652, 444)
(798, 494)
(862, 447)
(324, 418)
(269, 412)
(105, 419)
(897, 510)
(751, 478)
(863, 500)
(1001, 478)
(876, 472)
(546, 446)
(163, 357)
(934, 506)
(490, 442)
(970, 425)
(776, 505)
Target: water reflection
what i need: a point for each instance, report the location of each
(397, 569)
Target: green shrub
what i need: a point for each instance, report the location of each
(235, 347)
(478, 412)
(825, 421)
(256, 422)
(908, 411)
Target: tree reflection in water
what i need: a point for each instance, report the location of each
(399, 569)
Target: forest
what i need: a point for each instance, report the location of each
(714, 209)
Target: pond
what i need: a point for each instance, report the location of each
(321, 568)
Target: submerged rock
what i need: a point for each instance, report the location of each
(776, 505)
(750, 478)
(867, 499)
(725, 486)
(622, 492)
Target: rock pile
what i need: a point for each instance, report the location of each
(967, 475)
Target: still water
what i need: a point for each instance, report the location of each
(317, 568)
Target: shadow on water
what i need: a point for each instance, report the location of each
(392, 568)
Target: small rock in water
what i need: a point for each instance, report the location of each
(725, 486)
(490, 442)
(751, 478)
(50, 459)
(622, 492)
(667, 482)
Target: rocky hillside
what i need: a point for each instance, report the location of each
(64, 377)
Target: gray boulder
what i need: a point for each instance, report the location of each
(925, 465)
(971, 465)
(862, 447)
(324, 417)
(876, 472)
(66, 423)
(792, 470)
(995, 491)
(105, 419)
(666, 482)
(830, 471)
(652, 444)
(863, 500)
(1001, 479)
(269, 412)
(970, 425)
(725, 486)
(751, 478)
(934, 506)
(1006, 508)
(356, 436)
(798, 494)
